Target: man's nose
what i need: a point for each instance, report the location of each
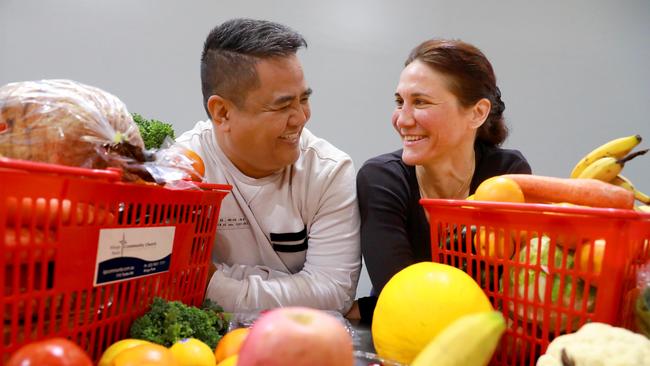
(299, 117)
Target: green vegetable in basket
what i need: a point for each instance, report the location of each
(170, 321)
(153, 131)
(642, 311)
(532, 285)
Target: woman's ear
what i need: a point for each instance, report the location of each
(480, 112)
(219, 109)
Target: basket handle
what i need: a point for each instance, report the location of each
(214, 187)
(32, 166)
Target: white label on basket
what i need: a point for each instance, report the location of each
(127, 253)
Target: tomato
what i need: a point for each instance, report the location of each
(50, 352)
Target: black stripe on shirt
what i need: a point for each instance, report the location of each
(280, 237)
(284, 248)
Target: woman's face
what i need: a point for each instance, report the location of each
(428, 117)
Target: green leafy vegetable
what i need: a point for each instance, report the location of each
(153, 131)
(170, 321)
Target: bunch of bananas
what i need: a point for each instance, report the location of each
(606, 162)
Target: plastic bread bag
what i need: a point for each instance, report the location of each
(66, 122)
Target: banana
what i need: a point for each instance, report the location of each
(607, 168)
(623, 182)
(616, 148)
(645, 209)
(604, 169)
(469, 341)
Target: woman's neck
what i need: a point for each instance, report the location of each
(448, 177)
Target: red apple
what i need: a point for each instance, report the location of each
(297, 336)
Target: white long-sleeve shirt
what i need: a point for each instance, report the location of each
(291, 238)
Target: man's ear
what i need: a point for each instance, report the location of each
(480, 112)
(219, 109)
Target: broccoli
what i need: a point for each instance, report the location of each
(153, 131)
(170, 321)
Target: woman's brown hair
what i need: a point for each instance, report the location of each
(471, 78)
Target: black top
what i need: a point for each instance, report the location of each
(394, 228)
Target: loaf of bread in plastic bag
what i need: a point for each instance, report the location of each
(63, 122)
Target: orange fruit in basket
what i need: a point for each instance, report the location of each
(499, 189)
(117, 348)
(144, 354)
(594, 264)
(197, 163)
(417, 303)
(230, 344)
(488, 246)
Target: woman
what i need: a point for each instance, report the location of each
(449, 115)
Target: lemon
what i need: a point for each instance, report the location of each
(192, 352)
(418, 303)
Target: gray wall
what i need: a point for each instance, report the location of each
(573, 73)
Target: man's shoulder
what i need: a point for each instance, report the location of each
(316, 149)
(199, 128)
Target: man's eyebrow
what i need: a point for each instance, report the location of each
(288, 98)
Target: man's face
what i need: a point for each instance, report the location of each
(262, 136)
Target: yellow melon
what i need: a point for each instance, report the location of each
(418, 303)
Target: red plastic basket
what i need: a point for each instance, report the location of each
(536, 272)
(51, 218)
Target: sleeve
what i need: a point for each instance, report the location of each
(330, 274)
(382, 189)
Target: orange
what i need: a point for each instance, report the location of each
(230, 344)
(144, 354)
(488, 247)
(117, 348)
(499, 189)
(594, 264)
(197, 162)
(419, 302)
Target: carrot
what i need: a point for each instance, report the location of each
(587, 192)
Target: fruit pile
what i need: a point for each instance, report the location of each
(595, 181)
(435, 314)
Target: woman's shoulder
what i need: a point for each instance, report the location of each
(385, 163)
(386, 168)
(501, 160)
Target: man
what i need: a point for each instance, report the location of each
(289, 232)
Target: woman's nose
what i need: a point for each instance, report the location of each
(403, 118)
